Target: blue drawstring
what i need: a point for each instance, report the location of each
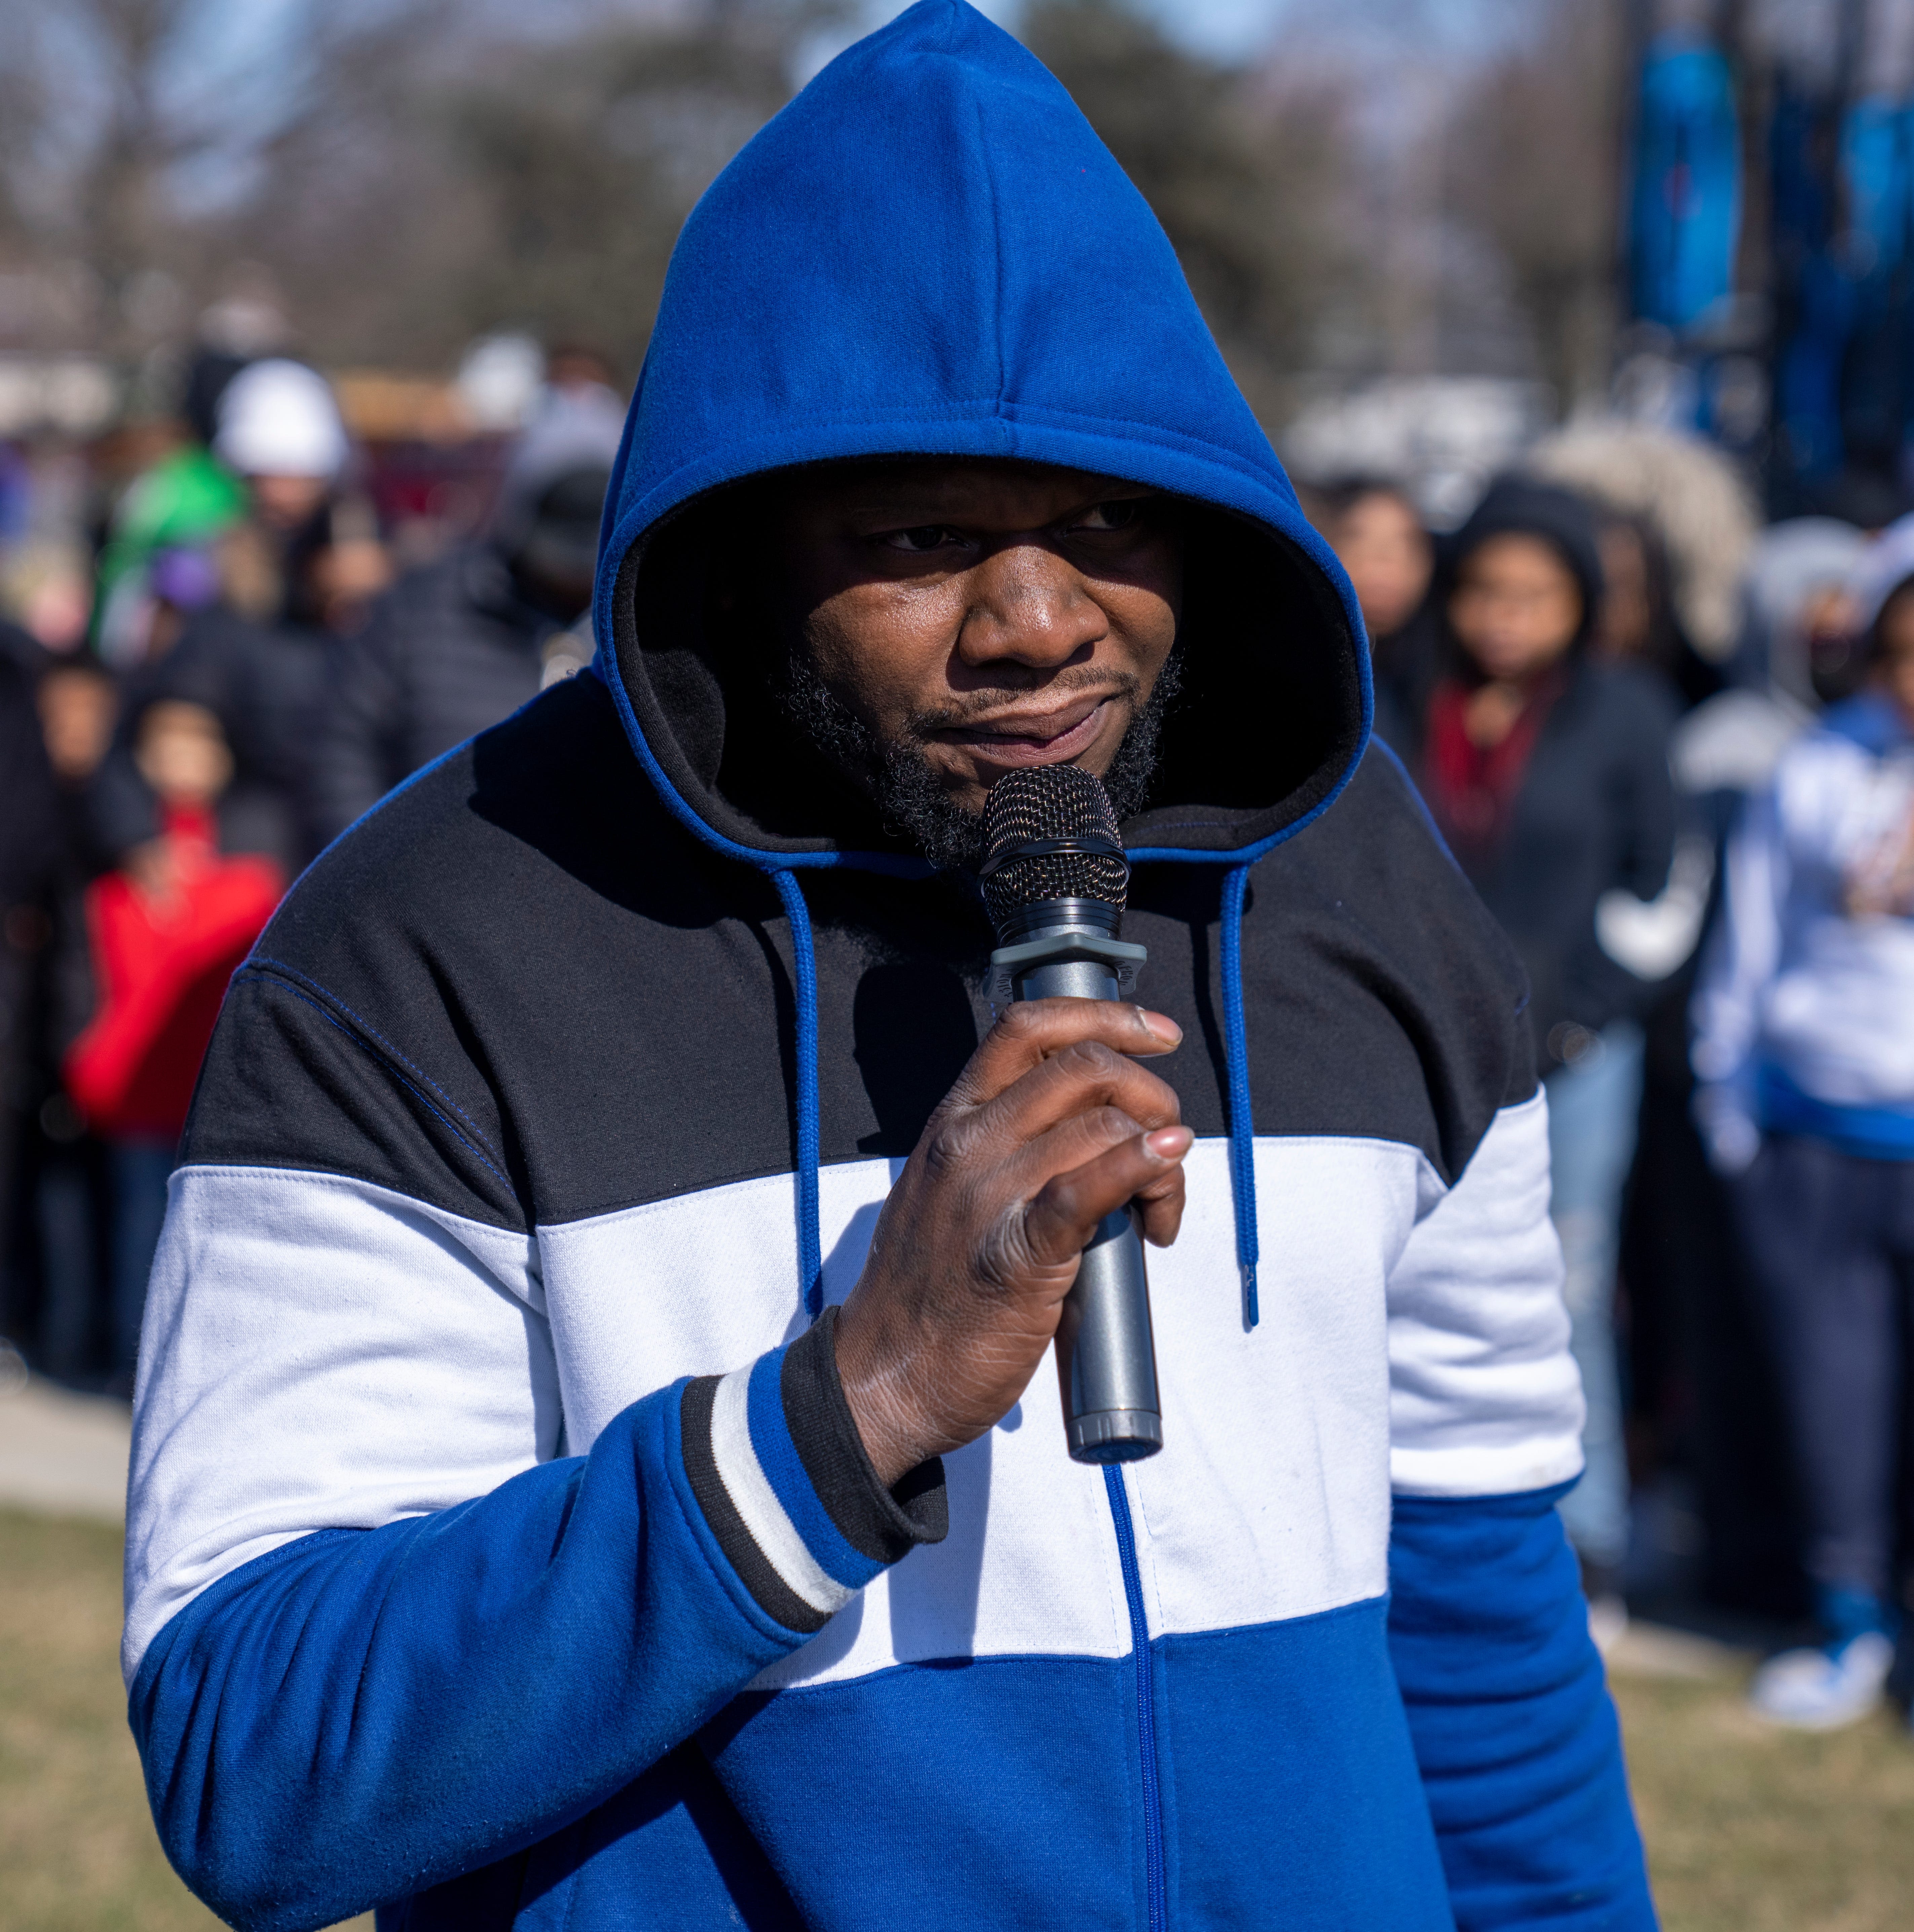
(1243, 1127)
(810, 1254)
(1236, 1047)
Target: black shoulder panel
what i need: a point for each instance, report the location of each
(294, 1079)
(522, 991)
(1390, 1003)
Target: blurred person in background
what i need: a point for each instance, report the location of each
(188, 499)
(239, 625)
(1379, 537)
(1545, 767)
(1805, 1052)
(46, 589)
(30, 851)
(79, 703)
(1703, 1398)
(163, 940)
(1637, 619)
(459, 644)
(1798, 603)
(1677, 530)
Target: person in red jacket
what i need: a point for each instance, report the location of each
(165, 933)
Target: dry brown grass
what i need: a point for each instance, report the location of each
(1753, 1829)
(77, 1850)
(1748, 1829)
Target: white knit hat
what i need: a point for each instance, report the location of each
(277, 419)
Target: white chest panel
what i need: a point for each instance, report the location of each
(1270, 1498)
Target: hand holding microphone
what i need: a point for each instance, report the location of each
(1053, 1128)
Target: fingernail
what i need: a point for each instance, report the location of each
(1169, 1143)
(1161, 1026)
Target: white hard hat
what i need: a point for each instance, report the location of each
(277, 419)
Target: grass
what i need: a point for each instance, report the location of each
(1748, 1829)
(77, 1848)
(1753, 1829)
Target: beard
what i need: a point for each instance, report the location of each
(910, 797)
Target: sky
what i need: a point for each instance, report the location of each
(1237, 29)
(237, 49)
(1226, 29)
(239, 40)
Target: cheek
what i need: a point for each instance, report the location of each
(1565, 621)
(1147, 614)
(1148, 619)
(879, 645)
(1465, 620)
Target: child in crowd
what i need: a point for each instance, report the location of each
(1805, 1049)
(165, 933)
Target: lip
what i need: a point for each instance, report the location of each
(1045, 738)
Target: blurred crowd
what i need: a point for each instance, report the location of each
(243, 649)
(1675, 752)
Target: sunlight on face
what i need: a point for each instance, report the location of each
(1515, 608)
(1380, 541)
(181, 752)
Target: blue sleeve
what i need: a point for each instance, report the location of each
(362, 1714)
(1514, 1731)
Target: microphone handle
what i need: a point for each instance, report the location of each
(1106, 1354)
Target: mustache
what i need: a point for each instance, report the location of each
(977, 707)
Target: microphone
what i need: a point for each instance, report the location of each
(1054, 880)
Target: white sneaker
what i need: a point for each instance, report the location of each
(1823, 1691)
(1608, 1622)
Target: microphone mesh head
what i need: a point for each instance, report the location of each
(1039, 805)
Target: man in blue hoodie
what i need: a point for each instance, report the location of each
(592, 1466)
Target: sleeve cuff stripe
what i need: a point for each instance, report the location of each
(756, 1502)
(754, 1569)
(791, 1482)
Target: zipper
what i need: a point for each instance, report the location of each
(1133, 1593)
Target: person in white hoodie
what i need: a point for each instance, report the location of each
(1804, 1055)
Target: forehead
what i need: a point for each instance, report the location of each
(171, 715)
(955, 490)
(1381, 509)
(1515, 553)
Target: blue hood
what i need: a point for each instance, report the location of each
(930, 252)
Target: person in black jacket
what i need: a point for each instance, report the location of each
(32, 842)
(459, 645)
(1546, 769)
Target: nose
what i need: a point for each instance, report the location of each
(1028, 606)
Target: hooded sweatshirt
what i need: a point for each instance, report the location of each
(501, 1549)
(1804, 1014)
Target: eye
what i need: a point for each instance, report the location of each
(1122, 513)
(916, 540)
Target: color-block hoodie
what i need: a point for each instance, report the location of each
(501, 1551)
